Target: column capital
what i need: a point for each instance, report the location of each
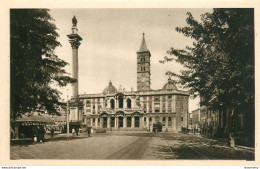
(74, 40)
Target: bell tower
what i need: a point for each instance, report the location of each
(143, 67)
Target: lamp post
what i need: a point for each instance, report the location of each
(68, 126)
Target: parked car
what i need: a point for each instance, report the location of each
(157, 127)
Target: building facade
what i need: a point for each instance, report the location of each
(134, 110)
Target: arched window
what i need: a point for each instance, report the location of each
(120, 102)
(128, 103)
(112, 103)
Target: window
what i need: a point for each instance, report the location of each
(169, 97)
(141, 68)
(181, 118)
(144, 68)
(157, 99)
(144, 59)
(112, 103)
(98, 120)
(93, 107)
(94, 120)
(144, 119)
(163, 119)
(170, 119)
(144, 105)
(128, 103)
(120, 102)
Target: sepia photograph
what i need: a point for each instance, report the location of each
(132, 84)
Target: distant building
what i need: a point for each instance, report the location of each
(195, 119)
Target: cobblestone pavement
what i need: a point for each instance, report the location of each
(134, 145)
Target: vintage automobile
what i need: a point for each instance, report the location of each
(157, 127)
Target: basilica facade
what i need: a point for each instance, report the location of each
(119, 109)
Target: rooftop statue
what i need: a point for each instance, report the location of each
(74, 21)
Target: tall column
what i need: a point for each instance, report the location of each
(96, 122)
(101, 122)
(153, 119)
(108, 122)
(91, 121)
(153, 104)
(174, 104)
(147, 122)
(133, 122)
(161, 104)
(141, 121)
(174, 122)
(124, 122)
(74, 40)
(116, 122)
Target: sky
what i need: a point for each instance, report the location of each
(111, 38)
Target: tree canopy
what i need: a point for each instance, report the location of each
(34, 65)
(219, 67)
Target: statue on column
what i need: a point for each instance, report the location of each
(74, 26)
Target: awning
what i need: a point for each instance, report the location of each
(33, 119)
(74, 123)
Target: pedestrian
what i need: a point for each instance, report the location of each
(73, 132)
(77, 131)
(231, 140)
(52, 132)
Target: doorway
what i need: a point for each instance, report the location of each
(104, 122)
(137, 122)
(120, 122)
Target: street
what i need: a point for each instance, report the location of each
(134, 145)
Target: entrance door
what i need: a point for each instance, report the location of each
(104, 122)
(120, 122)
(137, 123)
(112, 122)
(128, 121)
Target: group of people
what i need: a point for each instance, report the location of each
(38, 133)
(207, 131)
(75, 131)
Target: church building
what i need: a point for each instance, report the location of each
(131, 110)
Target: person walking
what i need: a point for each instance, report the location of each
(52, 132)
(73, 132)
(77, 132)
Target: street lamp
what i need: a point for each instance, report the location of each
(68, 126)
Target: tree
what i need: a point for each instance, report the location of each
(34, 65)
(220, 65)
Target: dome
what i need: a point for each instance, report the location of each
(110, 89)
(170, 85)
